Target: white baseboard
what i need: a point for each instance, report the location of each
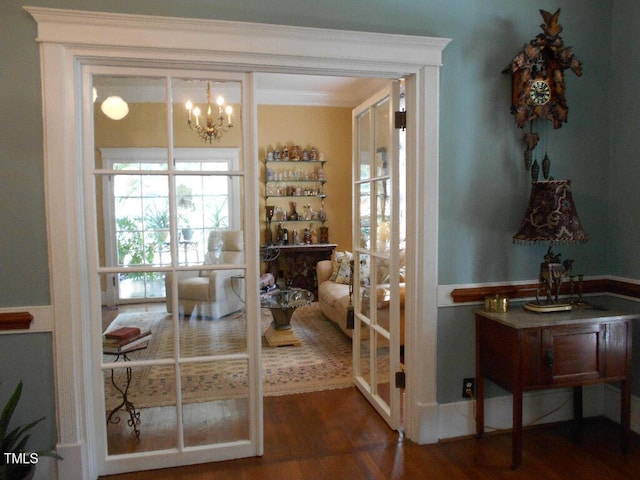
(45, 469)
(425, 430)
(71, 466)
(458, 419)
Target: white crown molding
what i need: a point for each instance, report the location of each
(215, 44)
(241, 43)
(306, 98)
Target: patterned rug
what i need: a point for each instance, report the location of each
(323, 361)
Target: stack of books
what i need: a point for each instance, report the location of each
(125, 339)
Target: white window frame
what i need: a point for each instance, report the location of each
(230, 156)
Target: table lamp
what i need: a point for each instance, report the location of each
(551, 217)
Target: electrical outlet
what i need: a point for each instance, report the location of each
(468, 387)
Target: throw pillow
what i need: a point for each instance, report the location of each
(336, 261)
(344, 271)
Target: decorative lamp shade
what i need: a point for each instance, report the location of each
(551, 215)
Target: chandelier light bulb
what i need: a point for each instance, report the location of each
(115, 108)
(196, 112)
(228, 110)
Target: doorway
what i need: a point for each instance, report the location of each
(144, 215)
(65, 46)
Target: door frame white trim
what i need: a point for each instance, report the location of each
(68, 37)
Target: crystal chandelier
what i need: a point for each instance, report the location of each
(214, 128)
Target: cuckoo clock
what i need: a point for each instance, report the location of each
(538, 87)
(538, 84)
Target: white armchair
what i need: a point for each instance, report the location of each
(213, 293)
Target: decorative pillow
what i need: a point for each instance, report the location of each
(344, 271)
(336, 261)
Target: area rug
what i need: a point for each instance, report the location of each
(323, 361)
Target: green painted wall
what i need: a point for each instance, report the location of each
(27, 357)
(483, 186)
(481, 148)
(624, 191)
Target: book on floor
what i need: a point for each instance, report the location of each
(122, 333)
(114, 345)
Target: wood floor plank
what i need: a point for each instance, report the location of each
(336, 435)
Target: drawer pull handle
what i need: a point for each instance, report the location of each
(550, 358)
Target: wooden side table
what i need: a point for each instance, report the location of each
(522, 351)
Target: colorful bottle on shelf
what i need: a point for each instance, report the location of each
(294, 213)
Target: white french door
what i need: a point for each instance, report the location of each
(376, 251)
(191, 392)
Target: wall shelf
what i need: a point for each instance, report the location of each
(295, 188)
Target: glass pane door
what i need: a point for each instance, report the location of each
(376, 254)
(178, 348)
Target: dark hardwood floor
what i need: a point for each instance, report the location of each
(336, 435)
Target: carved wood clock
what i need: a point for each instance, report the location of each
(538, 85)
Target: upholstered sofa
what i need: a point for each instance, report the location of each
(213, 293)
(333, 298)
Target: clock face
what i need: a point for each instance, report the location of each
(539, 92)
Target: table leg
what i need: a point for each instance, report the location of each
(578, 414)
(126, 404)
(479, 384)
(479, 405)
(625, 415)
(516, 440)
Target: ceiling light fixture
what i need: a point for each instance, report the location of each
(214, 127)
(115, 108)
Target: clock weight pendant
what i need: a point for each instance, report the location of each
(531, 140)
(546, 167)
(528, 158)
(535, 171)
